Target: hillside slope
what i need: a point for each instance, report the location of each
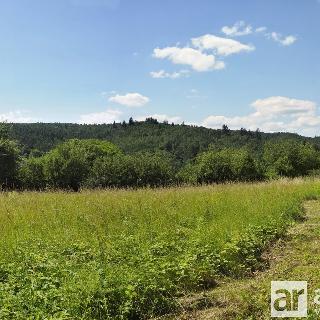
(183, 141)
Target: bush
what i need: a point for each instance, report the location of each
(244, 166)
(115, 171)
(187, 174)
(31, 173)
(214, 166)
(69, 164)
(289, 158)
(138, 170)
(153, 169)
(220, 166)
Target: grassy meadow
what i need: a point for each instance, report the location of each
(130, 254)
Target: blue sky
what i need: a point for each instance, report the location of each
(251, 63)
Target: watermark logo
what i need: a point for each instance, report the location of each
(289, 299)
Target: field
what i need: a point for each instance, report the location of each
(130, 254)
(294, 257)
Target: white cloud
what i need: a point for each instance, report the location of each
(175, 75)
(107, 116)
(201, 54)
(261, 29)
(194, 58)
(283, 105)
(240, 28)
(130, 99)
(283, 40)
(273, 114)
(222, 46)
(18, 116)
(161, 118)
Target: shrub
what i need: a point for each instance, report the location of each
(220, 166)
(289, 158)
(153, 169)
(214, 166)
(31, 173)
(115, 171)
(243, 166)
(69, 164)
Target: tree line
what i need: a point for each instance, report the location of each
(96, 163)
(183, 142)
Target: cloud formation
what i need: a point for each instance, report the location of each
(202, 54)
(130, 99)
(18, 116)
(107, 116)
(174, 75)
(283, 40)
(240, 28)
(196, 59)
(221, 46)
(273, 114)
(261, 29)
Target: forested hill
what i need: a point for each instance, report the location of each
(183, 141)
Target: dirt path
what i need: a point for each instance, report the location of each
(295, 258)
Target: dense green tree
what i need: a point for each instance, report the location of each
(289, 158)
(225, 129)
(31, 173)
(244, 166)
(183, 142)
(69, 164)
(138, 170)
(9, 158)
(153, 169)
(221, 166)
(151, 121)
(214, 166)
(199, 154)
(115, 171)
(187, 174)
(5, 129)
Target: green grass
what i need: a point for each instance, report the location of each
(293, 258)
(131, 254)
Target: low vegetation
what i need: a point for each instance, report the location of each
(294, 257)
(129, 254)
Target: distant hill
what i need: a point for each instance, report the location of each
(182, 141)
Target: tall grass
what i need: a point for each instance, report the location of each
(129, 254)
